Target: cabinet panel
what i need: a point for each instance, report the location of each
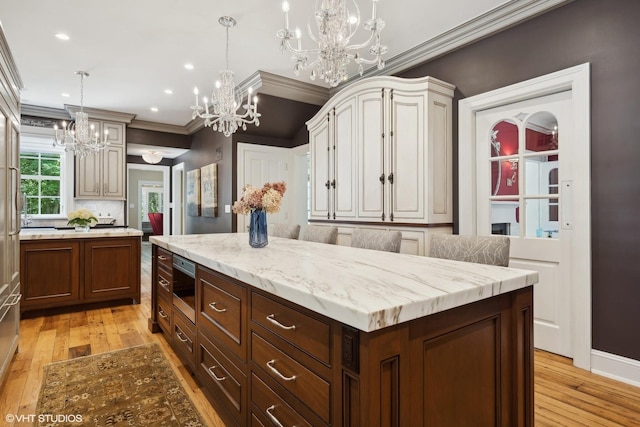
(221, 310)
(112, 172)
(371, 148)
(112, 269)
(101, 175)
(272, 406)
(319, 146)
(307, 333)
(50, 274)
(184, 338)
(223, 378)
(407, 156)
(343, 182)
(303, 383)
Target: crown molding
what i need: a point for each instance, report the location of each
(10, 63)
(98, 114)
(158, 127)
(500, 18)
(44, 112)
(285, 87)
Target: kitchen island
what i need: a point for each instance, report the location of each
(62, 267)
(311, 334)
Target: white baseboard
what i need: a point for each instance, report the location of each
(615, 367)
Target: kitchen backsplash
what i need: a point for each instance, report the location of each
(107, 211)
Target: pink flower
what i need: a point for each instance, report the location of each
(269, 198)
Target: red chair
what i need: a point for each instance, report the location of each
(156, 223)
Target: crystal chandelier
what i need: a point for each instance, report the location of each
(221, 114)
(79, 136)
(336, 26)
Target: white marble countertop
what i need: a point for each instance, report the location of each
(366, 289)
(52, 233)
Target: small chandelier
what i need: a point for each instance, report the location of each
(221, 114)
(79, 136)
(336, 26)
(153, 157)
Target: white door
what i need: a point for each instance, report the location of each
(178, 201)
(524, 189)
(259, 164)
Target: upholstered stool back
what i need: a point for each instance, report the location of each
(379, 240)
(288, 231)
(319, 234)
(493, 250)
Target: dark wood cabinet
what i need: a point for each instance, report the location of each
(267, 361)
(65, 272)
(111, 267)
(50, 273)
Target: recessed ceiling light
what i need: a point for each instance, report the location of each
(65, 94)
(188, 66)
(154, 109)
(168, 91)
(62, 36)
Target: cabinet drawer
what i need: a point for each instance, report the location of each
(312, 390)
(225, 380)
(255, 421)
(165, 284)
(164, 315)
(272, 407)
(184, 338)
(165, 259)
(306, 332)
(221, 310)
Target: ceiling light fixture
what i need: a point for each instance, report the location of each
(225, 100)
(79, 136)
(336, 26)
(152, 157)
(188, 66)
(62, 36)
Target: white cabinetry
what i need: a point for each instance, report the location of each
(333, 159)
(395, 135)
(102, 175)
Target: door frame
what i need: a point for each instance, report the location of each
(577, 80)
(178, 199)
(165, 184)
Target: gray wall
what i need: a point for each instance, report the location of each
(135, 176)
(605, 34)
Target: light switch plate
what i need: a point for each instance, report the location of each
(227, 208)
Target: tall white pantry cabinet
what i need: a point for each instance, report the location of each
(381, 157)
(10, 200)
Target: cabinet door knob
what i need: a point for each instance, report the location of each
(390, 178)
(272, 318)
(327, 184)
(333, 184)
(381, 178)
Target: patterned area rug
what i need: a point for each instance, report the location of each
(130, 387)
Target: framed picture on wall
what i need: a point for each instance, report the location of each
(209, 190)
(193, 192)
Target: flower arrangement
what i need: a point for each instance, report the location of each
(267, 198)
(82, 217)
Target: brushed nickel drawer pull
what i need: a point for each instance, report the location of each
(162, 313)
(272, 318)
(273, 417)
(162, 258)
(163, 282)
(270, 364)
(213, 374)
(181, 336)
(214, 308)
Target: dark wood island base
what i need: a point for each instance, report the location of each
(264, 360)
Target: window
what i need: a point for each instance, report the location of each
(42, 172)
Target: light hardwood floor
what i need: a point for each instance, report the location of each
(564, 395)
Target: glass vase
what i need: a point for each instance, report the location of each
(258, 229)
(82, 228)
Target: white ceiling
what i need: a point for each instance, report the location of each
(135, 49)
